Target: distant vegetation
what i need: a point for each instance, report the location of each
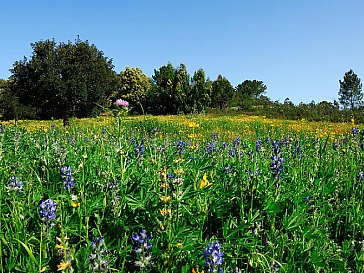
(76, 80)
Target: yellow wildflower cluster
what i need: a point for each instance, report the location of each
(204, 182)
(165, 212)
(193, 125)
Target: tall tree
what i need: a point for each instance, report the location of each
(133, 86)
(248, 91)
(168, 94)
(181, 89)
(200, 92)
(63, 80)
(221, 93)
(160, 95)
(350, 93)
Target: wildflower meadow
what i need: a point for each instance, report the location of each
(181, 194)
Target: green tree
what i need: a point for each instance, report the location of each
(247, 92)
(350, 93)
(170, 87)
(221, 93)
(10, 107)
(181, 89)
(63, 80)
(133, 86)
(200, 92)
(160, 95)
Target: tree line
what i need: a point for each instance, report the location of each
(75, 79)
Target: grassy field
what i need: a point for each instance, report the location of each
(181, 194)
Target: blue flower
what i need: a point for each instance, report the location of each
(139, 149)
(15, 184)
(143, 248)
(213, 257)
(228, 169)
(211, 147)
(258, 145)
(181, 145)
(67, 177)
(236, 142)
(359, 178)
(98, 257)
(47, 211)
(276, 165)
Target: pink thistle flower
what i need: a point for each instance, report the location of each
(122, 103)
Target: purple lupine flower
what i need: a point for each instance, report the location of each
(181, 145)
(211, 147)
(258, 145)
(47, 211)
(15, 184)
(98, 257)
(359, 178)
(122, 103)
(236, 142)
(213, 257)
(139, 149)
(276, 165)
(228, 169)
(355, 131)
(143, 248)
(67, 177)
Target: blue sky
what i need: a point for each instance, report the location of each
(299, 48)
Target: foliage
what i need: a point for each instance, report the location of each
(168, 94)
(242, 194)
(248, 91)
(10, 107)
(350, 93)
(133, 86)
(221, 93)
(63, 80)
(200, 92)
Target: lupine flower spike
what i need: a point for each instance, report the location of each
(47, 211)
(143, 248)
(67, 177)
(98, 257)
(213, 257)
(15, 184)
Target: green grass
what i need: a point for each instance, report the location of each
(305, 218)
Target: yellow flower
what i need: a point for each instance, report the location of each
(193, 136)
(193, 125)
(204, 182)
(164, 173)
(180, 171)
(63, 266)
(42, 270)
(59, 246)
(178, 160)
(165, 212)
(165, 199)
(75, 205)
(197, 271)
(179, 244)
(192, 147)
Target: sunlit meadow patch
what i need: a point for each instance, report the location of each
(218, 194)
